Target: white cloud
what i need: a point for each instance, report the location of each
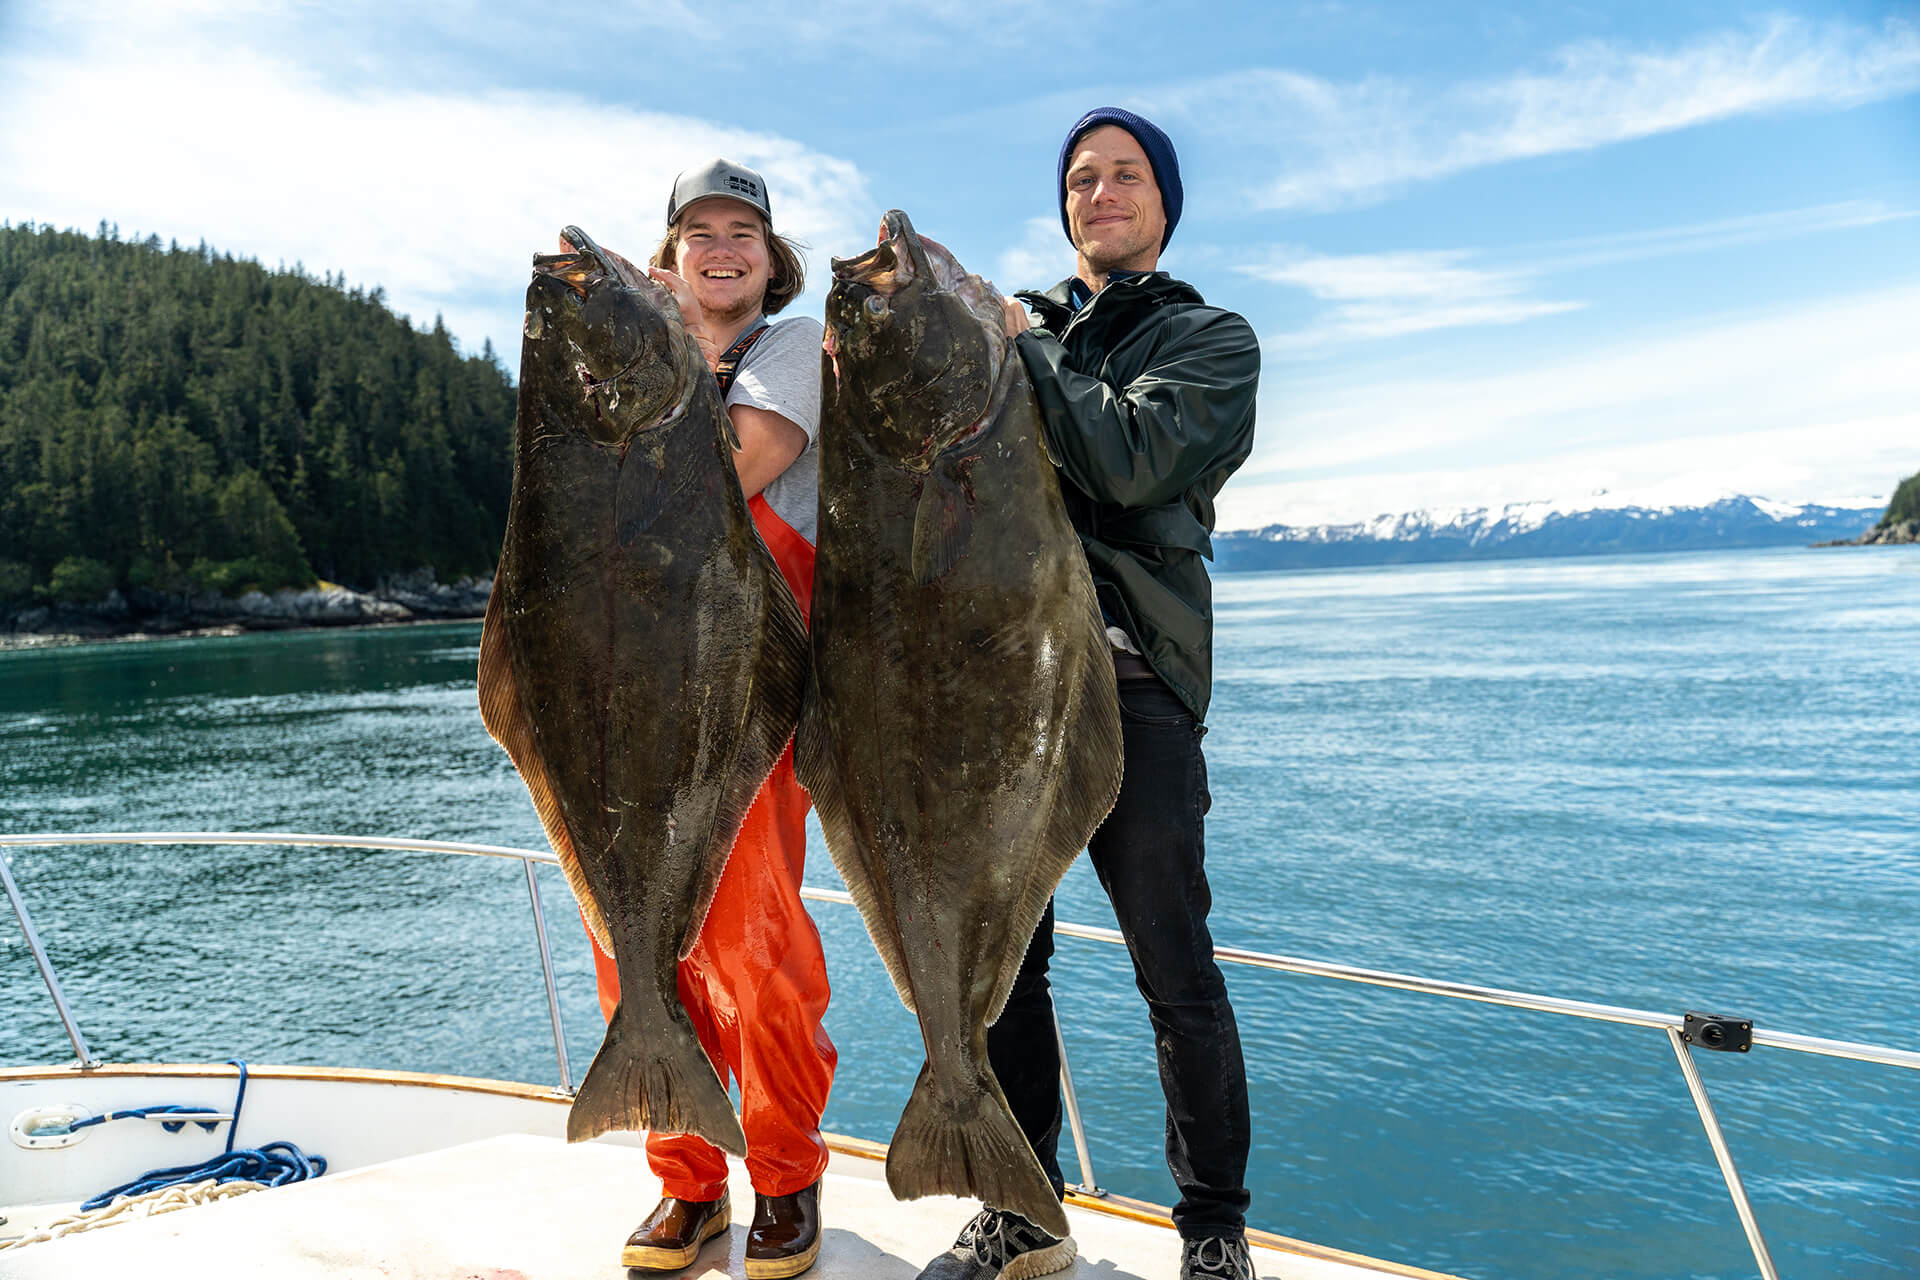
(440, 197)
(1042, 257)
(1385, 295)
(1381, 295)
(1808, 404)
(1349, 143)
(1722, 233)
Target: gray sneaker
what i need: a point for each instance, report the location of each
(998, 1245)
(1216, 1258)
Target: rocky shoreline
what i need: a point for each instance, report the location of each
(150, 615)
(1898, 533)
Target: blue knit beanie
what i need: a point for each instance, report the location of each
(1159, 149)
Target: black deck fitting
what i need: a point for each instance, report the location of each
(1721, 1034)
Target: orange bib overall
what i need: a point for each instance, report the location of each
(755, 984)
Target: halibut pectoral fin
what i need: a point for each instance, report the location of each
(641, 499)
(942, 523)
(501, 712)
(779, 684)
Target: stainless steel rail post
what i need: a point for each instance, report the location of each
(1735, 1188)
(47, 975)
(546, 967)
(1088, 1184)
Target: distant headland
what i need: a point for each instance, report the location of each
(1899, 526)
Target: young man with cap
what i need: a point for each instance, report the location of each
(755, 984)
(1147, 398)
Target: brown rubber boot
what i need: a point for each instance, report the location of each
(674, 1232)
(785, 1238)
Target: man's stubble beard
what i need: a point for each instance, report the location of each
(1122, 257)
(745, 309)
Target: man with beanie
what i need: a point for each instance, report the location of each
(1147, 397)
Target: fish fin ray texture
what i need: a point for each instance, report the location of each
(661, 1080)
(780, 683)
(814, 764)
(967, 1143)
(942, 526)
(501, 713)
(1089, 784)
(641, 499)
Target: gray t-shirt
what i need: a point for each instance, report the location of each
(781, 373)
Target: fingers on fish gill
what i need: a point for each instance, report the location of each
(651, 1073)
(963, 1141)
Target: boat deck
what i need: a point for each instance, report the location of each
(524, 1207)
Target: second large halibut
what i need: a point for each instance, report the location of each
(961, 737)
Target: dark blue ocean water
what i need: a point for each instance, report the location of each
(1685, 782)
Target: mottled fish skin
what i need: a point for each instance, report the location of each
(961, 736)
(642, 659)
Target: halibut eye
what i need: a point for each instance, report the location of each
(876, 305)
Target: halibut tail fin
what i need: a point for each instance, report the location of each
(968, 1144)
(662, 1082)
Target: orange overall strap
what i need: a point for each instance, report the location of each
(793, 553)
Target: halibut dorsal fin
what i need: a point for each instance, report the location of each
(506, 721)
(779, 683)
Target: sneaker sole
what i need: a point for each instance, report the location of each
(646, 1257)
(1042, 1262)
(781, 1268)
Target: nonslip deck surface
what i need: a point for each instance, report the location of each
(521, 1207)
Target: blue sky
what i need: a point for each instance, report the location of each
(1495, 252)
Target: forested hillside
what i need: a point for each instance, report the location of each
(1905, 504)
(179, 421)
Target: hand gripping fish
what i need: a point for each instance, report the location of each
(642, 659)
(962, 736)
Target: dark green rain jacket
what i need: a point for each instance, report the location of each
(1147, 398)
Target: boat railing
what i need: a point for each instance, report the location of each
(1683, 1032)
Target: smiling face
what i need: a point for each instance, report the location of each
(722, 253)
(1114, 209)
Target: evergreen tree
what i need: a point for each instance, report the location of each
(1905, 504)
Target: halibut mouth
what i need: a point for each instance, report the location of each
(899, 257)
(586, 266)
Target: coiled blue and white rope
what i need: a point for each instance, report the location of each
(271, 1165)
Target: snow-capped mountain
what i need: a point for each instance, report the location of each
(1593, 527)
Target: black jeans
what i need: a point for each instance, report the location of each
(1149, 855)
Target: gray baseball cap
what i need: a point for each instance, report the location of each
(719, 178)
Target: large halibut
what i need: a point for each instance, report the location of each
(642, 659)
(961, 736)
